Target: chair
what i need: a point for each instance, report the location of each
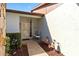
(36, 35)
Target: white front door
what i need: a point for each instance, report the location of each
(25, 28)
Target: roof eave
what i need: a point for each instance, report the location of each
(23, 12)
(43, 5)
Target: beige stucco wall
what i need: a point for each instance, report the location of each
(12, 23)
(63, 23)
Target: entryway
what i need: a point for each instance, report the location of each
(29, 26)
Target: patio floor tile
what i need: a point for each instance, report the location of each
(34, 48)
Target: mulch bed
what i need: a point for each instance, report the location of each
(50, 51)
(23, 51)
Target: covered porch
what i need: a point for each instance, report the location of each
(29, 29)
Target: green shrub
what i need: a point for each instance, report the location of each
(14, 35)
(11, 43)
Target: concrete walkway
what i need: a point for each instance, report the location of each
(34, 48)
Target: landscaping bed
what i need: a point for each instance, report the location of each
(23, 51)
(50, 51)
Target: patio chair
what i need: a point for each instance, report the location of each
(36, 35)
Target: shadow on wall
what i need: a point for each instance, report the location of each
(46, 36)
(45, 33)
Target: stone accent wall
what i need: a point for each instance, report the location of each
(2, 27)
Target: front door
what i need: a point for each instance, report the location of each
(25, 27)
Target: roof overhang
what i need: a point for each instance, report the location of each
(23, 12)
(42, 5)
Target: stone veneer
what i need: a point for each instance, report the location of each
(2, 28)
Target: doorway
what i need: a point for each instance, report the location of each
(25, 27)
(29, 26)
